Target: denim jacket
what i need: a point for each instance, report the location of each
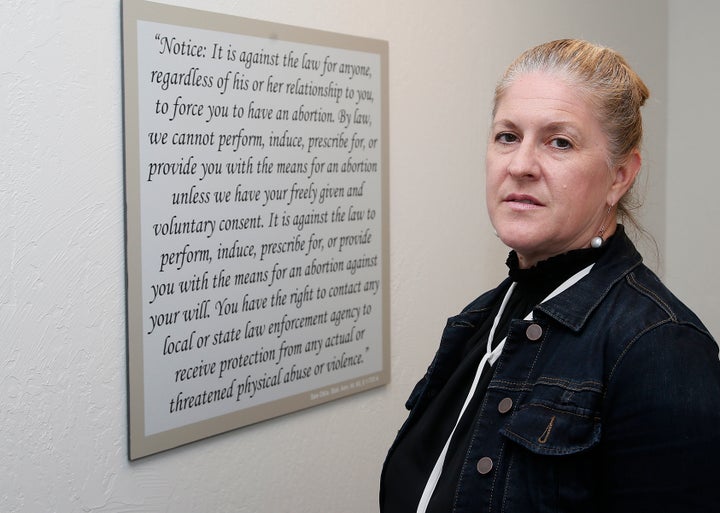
(607, 401)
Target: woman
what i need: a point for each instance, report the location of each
(580, 384)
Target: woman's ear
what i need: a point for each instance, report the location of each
(624, 176)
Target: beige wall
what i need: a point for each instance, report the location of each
(62, 324)
(693, 209)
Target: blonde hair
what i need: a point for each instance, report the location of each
(607, 81)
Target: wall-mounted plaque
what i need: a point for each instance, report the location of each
(256, 175)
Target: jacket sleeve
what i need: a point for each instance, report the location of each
(661, 424)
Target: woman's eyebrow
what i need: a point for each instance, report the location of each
(504, 123)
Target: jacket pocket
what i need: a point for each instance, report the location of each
(551, 457)
(551, 431)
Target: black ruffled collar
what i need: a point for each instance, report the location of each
(554, 270)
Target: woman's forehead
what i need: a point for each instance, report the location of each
(543, 94)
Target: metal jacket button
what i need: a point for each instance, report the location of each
(505, 405)
(485, 465)
(534, 332)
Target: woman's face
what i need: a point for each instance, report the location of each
(548, 182)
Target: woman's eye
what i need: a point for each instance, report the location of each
(561, 143)
(506, 138)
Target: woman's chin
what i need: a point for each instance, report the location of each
(520, 241)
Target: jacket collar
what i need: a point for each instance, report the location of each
(573, 307)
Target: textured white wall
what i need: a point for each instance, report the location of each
(62, 313)
(693, 181)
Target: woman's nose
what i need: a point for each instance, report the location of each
(524, 162)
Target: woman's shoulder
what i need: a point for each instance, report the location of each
(643, 287)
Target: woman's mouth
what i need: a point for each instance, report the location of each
(523, 199)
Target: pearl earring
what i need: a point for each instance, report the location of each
(598, 241)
